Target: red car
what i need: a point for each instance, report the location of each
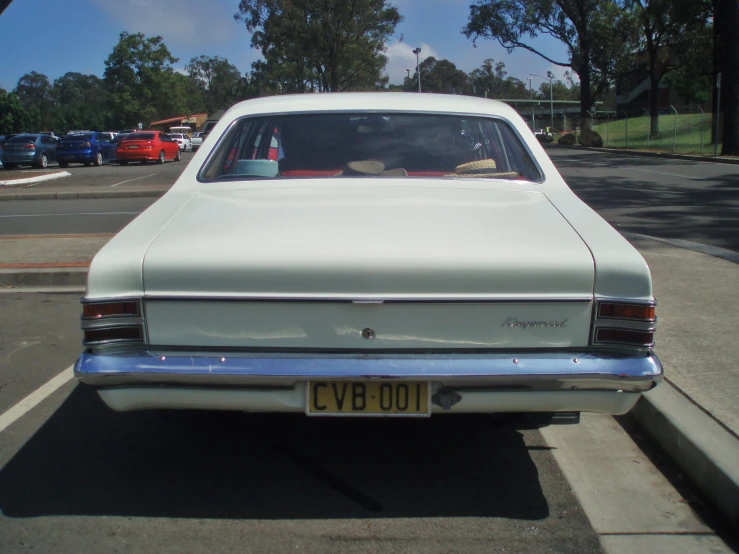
(144, 146)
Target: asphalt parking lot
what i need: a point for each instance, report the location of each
(77, 476)
(113, 175)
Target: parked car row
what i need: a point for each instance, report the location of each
(89, 148)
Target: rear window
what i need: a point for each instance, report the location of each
(77, 138)
(370, 145)
(22, 138)
(141, 136)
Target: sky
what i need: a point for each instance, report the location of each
(54, 37)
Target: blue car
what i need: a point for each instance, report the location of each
(86, 148)
(29, 149)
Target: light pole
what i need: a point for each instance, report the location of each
(551, 94)
(408, 71)
(531, 94)
(417, 51)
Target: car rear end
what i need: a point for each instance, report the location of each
(348, 289)
(20, 150)
(80, 148)
(137, 147)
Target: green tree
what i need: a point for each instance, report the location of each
(140, 78)
(12, 114)
(438, 76)
(37, 95)
(83, 102)
(220, 83)
(692, 77)
(597, 34)
(492, 80)
(325, 45)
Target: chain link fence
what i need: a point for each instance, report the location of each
(681, 131)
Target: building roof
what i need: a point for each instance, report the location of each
(178, 119)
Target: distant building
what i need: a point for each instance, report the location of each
(194, 121)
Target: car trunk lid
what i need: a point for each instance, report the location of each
(432, 267)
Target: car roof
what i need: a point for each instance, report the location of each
(372, 101)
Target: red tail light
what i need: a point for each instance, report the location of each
(110, 309)
(28, 145)
(626, 311)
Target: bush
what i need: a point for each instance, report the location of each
(588, 137)
(568, 139)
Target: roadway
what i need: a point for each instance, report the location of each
(75, 476)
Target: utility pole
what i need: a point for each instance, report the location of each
(531, 93)
(417, 51)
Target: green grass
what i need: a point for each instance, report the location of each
(689, 131)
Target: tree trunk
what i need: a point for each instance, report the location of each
(728, 15)
(586, 98)
(653, 104)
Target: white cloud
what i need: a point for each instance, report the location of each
(401, 57)
(179, 22)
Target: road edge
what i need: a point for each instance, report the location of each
(83, 194)
(37, 179)
(647, 154)
(700, 447)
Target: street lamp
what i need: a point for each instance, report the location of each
(417, 51)
(551, 94)
(530, 91)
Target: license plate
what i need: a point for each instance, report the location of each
(368, 398)
(131, 146)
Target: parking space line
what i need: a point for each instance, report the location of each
(35, 398)
(136, 179)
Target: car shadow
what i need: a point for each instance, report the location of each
(89, 460)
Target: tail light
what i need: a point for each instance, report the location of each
(29, 146)
(623, 322)
(112, 322)
(86, 145)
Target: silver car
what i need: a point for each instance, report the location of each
(29, 149)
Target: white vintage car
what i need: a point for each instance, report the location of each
(373, 254)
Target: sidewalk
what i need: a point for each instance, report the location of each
(693, 415)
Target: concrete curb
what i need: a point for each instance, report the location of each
(707, 249)
(44, 277)
(663, 155)
(74, 195)
(39, 179)
(704, 450)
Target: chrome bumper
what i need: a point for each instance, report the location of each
(474, 372)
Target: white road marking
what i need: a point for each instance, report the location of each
(66, 215)
(136, 179)
(35, 398)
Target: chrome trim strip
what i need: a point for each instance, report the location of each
(371, 300)
(546, 371)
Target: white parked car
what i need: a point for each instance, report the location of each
(394, 255)
(197, 141)
(183, 140)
